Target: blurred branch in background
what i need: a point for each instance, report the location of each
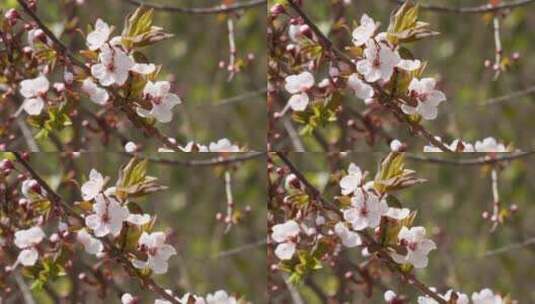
(201, 11)
(478, 161)
(486, 8)
(220, 160)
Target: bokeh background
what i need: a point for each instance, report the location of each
(212, 107)
(208, 258)
(456, 58)
(469, 257)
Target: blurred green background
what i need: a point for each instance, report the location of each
(449, 206)
(208, 259)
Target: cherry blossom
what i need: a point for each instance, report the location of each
(162, 101)
(113, 67)
(157, 251)
(486, 296)
(220, 297)
(27, 239)
(108, 217)
(91, 245)
(418, 247)
(397, 213)
(352, 180)
(191, 145)
(34, 91)
(365, 211)
(362, 90)
(427, 97)
(379, 61)
(364, 31)
(130, 147)
(462, 298)
(97, 94)
(223, 145)
(390, 296)
(349, 238)
(127, 298)
(489, 144)
(97, 38)
(396, 145)
(298, 85)
(284, 234)
(31, 189)
(187, 298)
(93, 186)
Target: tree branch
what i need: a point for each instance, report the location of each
(479, 161)
(199, 10)
(486, 8)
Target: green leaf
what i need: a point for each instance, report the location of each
(138, 30)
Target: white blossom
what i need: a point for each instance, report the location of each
(349, 238)
(364, 31)
(409, 65)
(130, 147)
(365, 211)
(91, 245)
(220, 297)
(486, 296)
(143, 68)
(157, 251)
(418, 247)
(127, 298)
(31, 189)
(389, 296)
(97, 38)
(223, 145)
(396, 145)
(362, 90)
(34, 91)
(108, 216)
(162, 101)
(97, 94)
(27, 239)
(298, 85)
(397, 213)
(284, 234)
(352, 180)
(462, 298)
(113, 67)
(427, 97)
(93, 186)
(489, 144)
(379, 61)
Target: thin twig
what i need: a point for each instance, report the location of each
(231, 67)
(479, 161)
(507, 248)
(220, 160)
(200, 11)
(230, 201)
(486, 8)
(495, 218)
(498, 45)
(240, 249)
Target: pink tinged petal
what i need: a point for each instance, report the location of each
(143, 69)
(157, 265)
(166, 251)
(435, 97)
(151, 89)
(408, 109)
(361, 89)
(419, 261)
(33, 106)
(142, 112)
(162, 113)
(99, 36)
(409, 65)
(162, 88)
(428, 84)
(91, 244)
(285, 251)
(299, 102)
(428, 111)
(139, 264)
(28, 257)
(398, 213)
(171, 100)
(138, 219)
(144, 240)
(400, 259)
(100, 72)
(349, 183)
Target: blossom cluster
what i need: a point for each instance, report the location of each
(485, 296)
(218, 297)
